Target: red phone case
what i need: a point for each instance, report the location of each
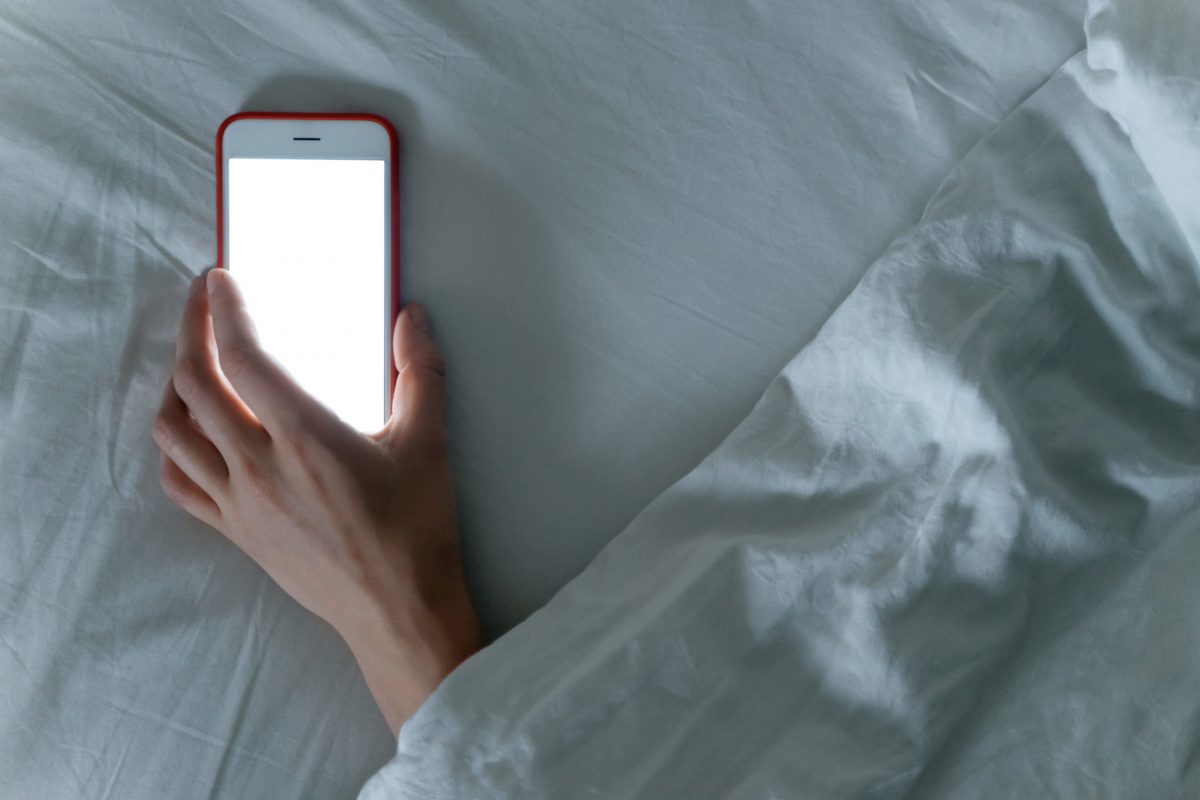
(393, 190)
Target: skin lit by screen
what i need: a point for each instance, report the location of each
(306, 242)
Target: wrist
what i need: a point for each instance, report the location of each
(406, 649)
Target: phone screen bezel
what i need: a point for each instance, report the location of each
(321, 136)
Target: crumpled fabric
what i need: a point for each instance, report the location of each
(623, 217)
(951, 552)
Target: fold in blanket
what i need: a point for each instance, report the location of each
(947, 555)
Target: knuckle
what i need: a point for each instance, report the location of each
(163, 433)
(190, 378)
(259, 482)
(431, 359)
(170, 485)
(239, 463)
(238, 359)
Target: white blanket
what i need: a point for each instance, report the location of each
(952, 551)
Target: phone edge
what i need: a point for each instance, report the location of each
(393, 195)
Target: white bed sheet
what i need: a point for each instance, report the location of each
(624, 218)
(951, 553)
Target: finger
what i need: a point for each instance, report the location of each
(269, 391)
(198, 382)
(185, 493)
(180, 440)
(419, 398)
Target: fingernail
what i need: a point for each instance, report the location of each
(198, 283)
(418, 317)
(208, 273)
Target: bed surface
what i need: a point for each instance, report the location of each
(951, 552)
(624, 220)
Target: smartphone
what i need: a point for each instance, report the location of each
(308, 222)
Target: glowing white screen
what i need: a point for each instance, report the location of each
(306, 243)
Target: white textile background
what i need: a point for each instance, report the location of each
(624, 217)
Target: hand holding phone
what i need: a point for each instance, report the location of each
(358, 529)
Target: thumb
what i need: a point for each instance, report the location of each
(419, 398)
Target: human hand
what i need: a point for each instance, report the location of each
(359, 529)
